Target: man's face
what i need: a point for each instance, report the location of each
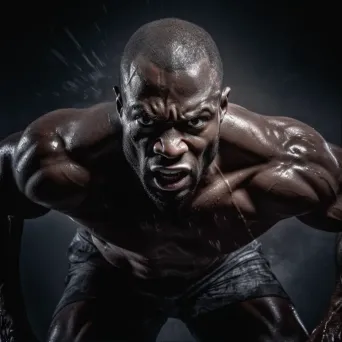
(171, 123)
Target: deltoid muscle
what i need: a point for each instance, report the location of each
(14, 325)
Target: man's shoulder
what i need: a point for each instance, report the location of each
(8, 144)
(269, 137)
(244, 125)
(288, 161)
(250, 138)
(77, 129)
(7, 150)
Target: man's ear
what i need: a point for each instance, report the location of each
(224, 102)
(118, 99)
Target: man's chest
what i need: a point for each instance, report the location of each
(221, 216)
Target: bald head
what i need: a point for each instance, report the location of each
(172, 45)
(171, 105)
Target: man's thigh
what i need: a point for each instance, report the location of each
(99, 302)
(91, 320)
(79, 321)
(242, 297)
(270, 319)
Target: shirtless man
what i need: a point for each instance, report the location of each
(170, 185)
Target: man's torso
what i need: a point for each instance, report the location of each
(224, 213)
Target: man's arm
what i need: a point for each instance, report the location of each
(302, 177)
(44, 170)
(329, 219)
(14, 208)
(56, 152)
(13, 201)
(14, 324)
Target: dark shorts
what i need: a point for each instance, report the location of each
(243, 275)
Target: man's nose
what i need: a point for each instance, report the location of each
(170, 145)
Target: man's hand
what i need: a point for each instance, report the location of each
(129, 261)
(330, 328)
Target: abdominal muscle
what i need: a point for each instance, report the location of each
(152, 247)
(162, 257)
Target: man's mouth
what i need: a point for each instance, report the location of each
(171, 178)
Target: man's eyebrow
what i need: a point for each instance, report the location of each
(187, 115)
(197, 112)
(136, 107)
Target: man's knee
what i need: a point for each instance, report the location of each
(262, 319)
(277, 318)
(73, 323)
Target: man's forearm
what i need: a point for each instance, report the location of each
(14, 324)
(331, 222)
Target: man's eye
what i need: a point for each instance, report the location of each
(145, 120)
(197, 122)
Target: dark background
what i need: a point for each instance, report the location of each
(280, 58)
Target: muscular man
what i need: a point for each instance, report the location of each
(169, 186)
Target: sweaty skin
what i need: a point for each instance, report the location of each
(170, 179)
(97, 166)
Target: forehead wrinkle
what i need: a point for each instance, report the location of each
(142, 106)
(140, 90)
(150, 73)
(136, 72)
(153, 79)
(193, 111)
(162, 112)
(193, 104)
(128, 77)
(157, 105)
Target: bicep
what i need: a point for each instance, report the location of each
(47, 175)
